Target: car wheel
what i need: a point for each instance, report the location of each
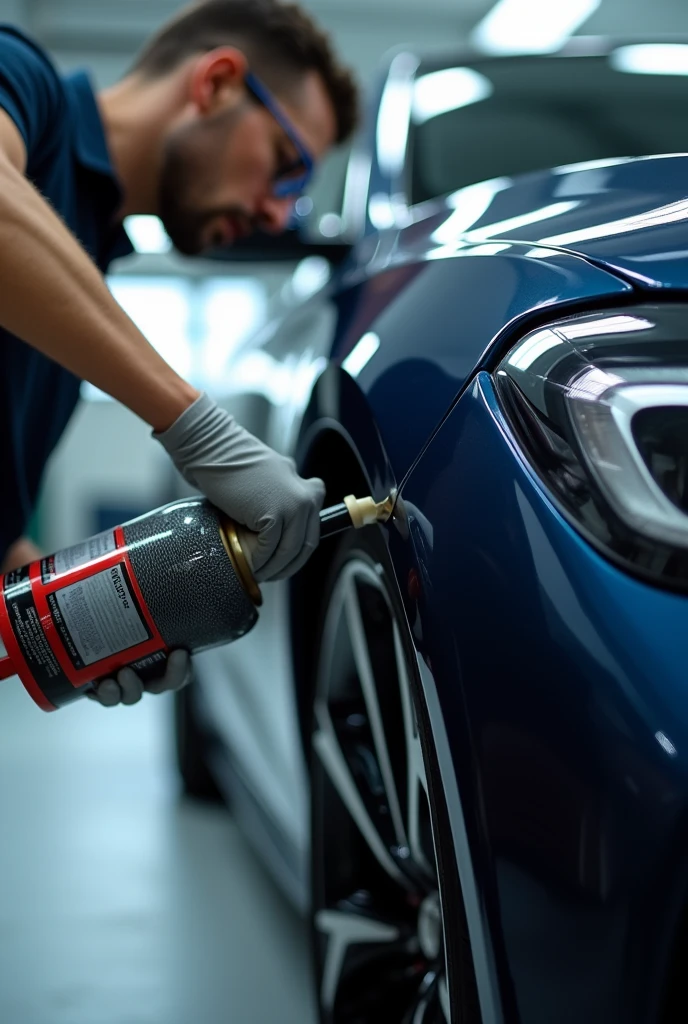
(390, 938)
(191, 745)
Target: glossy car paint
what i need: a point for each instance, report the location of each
(562, 749)
(409, 387)
(630, 216)
(288, 410)
(561, 684)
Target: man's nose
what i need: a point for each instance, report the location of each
(275, 214)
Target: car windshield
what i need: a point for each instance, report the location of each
(510, 116)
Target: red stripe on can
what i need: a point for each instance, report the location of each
(51, 634)
(150, 622)
(15, 653)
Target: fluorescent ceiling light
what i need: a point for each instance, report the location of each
(147, 235)
(651, 59)
(449, 89)
(531, 26)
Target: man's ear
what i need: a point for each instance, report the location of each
(217, 79)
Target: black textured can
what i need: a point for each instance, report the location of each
(188, 575)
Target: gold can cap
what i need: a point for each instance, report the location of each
(237, 556)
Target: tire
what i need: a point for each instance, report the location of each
(388, 923)
(191, 746)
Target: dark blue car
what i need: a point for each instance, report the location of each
(461, 741)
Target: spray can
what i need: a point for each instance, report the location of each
(176, 577)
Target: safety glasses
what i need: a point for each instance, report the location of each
(292, 180)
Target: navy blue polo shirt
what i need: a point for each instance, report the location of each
(69, 163)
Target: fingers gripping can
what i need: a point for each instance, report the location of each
(127, 597)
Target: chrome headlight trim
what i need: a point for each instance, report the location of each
(628, 483)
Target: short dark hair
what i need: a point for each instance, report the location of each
(281, 41)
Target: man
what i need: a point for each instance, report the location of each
(216, 129)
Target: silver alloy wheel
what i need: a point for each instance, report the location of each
(377, 909)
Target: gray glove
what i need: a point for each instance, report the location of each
(128, 688)
(254, 485)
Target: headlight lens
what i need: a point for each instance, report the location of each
(661, 435)
(600, 406)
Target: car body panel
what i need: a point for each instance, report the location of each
(397, 301)
(629, 215)
(561, 683)
(288, 397)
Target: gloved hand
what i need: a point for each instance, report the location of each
(128, 688)
(251, 483)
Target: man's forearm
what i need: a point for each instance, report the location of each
(54, 298)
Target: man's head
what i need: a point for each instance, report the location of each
(263, 94)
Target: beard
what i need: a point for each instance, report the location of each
(187, 165)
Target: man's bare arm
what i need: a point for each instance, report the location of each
(53, 297)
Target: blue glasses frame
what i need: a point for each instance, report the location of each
(285, 188)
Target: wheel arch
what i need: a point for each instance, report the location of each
(339, 442)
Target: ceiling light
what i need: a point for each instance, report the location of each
(531, 26)
(651, 59)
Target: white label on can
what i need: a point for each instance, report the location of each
(87, 551)
(101, 615)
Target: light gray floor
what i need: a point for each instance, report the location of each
(118, 903)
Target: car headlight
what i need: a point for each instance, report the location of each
(599, 405)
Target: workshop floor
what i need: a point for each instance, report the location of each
(120, 904)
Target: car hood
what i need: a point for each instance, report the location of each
(629, 216)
